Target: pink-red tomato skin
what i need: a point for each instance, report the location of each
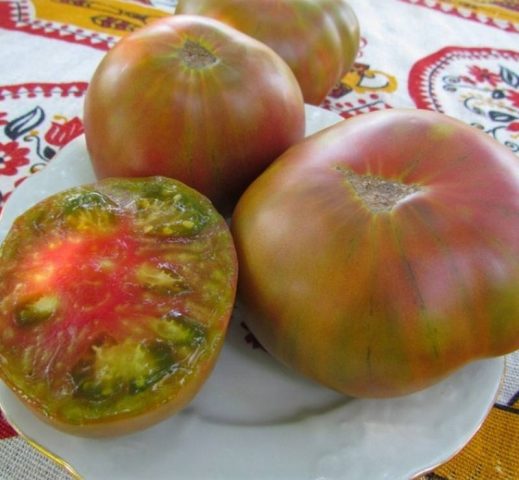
(383, 303)
(319, 39)
(215, 125)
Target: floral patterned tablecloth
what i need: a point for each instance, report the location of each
(459, 57)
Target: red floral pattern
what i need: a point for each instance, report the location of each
(61, 133)
(34, 126)
(470, 11)
(513, 96)
(12, 156)
(6, 431)
(103, 19)
(484, 75)
(477, 85)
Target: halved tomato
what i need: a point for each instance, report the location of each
(114, 303)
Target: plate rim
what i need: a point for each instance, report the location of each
(68, 466)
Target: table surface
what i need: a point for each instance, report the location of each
(457, 57)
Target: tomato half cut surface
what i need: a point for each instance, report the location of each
(114, 302)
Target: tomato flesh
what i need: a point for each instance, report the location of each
(113, 297)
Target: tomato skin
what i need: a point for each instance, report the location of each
(378, 301)
(318, 39)
(114, 303)
(129, 424)
(215, 125)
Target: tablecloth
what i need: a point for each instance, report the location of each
(459, 57)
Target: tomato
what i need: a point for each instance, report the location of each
(114, 303)
(319, 39)
(193, 99)
(382, 254)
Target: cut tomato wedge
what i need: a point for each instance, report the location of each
(114, 303)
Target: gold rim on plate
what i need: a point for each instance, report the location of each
(76, 476)
(500, 387)
(40, 448)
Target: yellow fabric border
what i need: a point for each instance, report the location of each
(491, 454)
(112, 17)
(495, 9)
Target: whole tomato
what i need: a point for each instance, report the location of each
(382, 254)
(114, 303)
(191, 98)
(319, 39)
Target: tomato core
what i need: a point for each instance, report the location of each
(195, 56)
(378, 194)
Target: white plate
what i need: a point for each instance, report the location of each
(254, 419)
